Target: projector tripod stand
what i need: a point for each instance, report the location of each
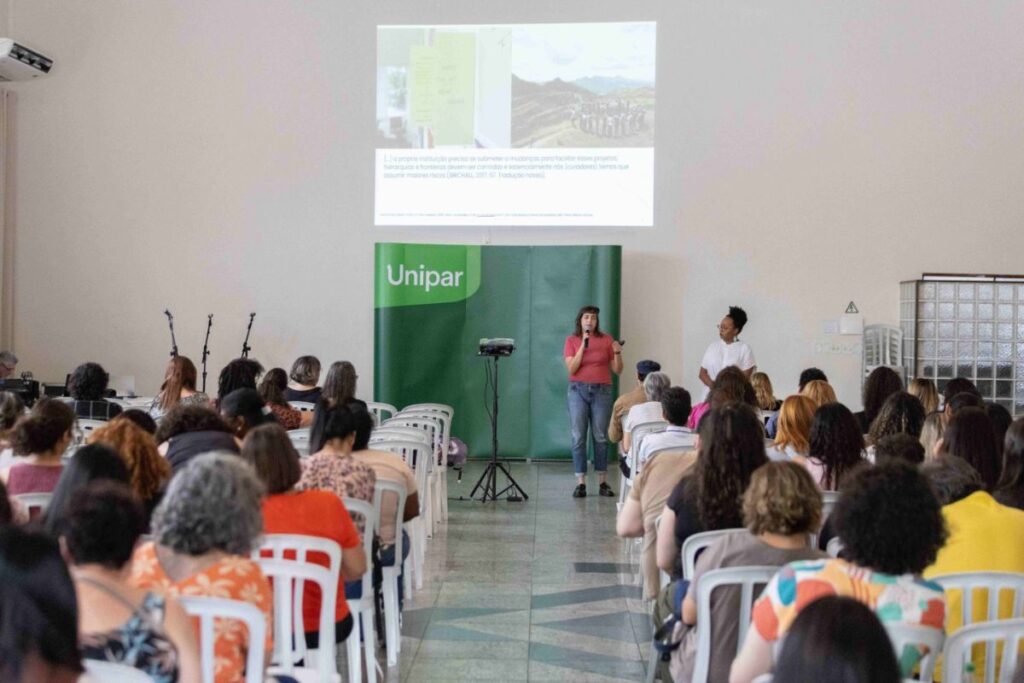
(488, 481)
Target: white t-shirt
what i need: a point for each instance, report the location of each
(721, 355)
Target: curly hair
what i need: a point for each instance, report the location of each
(819, 391)
(890, 519)
(902, 413)
(738, 317)
(101, 524)
(43, 428)
(880, 384)
(782, 498)
(213, 503)
(190, 418)
(836, 442)
(88, 382)
(149, 471)
(795, 418)
(970, 435)
(731, 448)
(241, 373)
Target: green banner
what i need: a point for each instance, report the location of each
(435, 302)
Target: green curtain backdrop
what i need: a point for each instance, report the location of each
(433, 304)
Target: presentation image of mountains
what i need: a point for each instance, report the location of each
(592, 111)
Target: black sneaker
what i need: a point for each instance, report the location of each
(606, 490)
(580, 491)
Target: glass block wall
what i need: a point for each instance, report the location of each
(970, 329)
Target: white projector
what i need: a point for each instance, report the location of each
(18, 63)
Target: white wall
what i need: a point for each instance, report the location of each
(217, 157)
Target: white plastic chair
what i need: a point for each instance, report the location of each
(958, 649)
(34, 501)
(392, 626)
(433, 425)
(834, 546)
(417, 528)
(209, 609)
(288, 577)
(87, 425)
(697, 542)
(882, 346)
(377, 409)
(747, 578)
(445, 414)
(903, 635)
(110, 672)
(300, 439)
(636, 437)
(303, 406)
(362, 608)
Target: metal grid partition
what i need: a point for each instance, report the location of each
(967, 326)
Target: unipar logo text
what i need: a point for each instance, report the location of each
(421, 277)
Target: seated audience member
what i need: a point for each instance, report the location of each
(965, 399)
(1001, 421)
(38, 611)
(141, 419)
(87, 387)
(819, 391)
(241, 373)
(969, 435)
(882, 383)
(781, 508)
(931, 434)
(205, 528)
(1010, 489)
(957, 385)
(118, 622)
(304, 377)
(243, 409)
(178, 388)
(837, 639)
(339, 390)
(924, 390)
(8, 364)
(709, 497)
(730, 385)
(900, 414)
(764, 392)
(42, 437)
(892, 528)
(308, 513)
(331, 466)
(188, 431)
(272, 389)
(631, 398)
(835, 447)
(793, 436)
(652, 487)
(899, 447)
(807, 376)
(89, 463)
(650, 410)
(387, 467)
(149, 472)
(11, 408)
(675, 409)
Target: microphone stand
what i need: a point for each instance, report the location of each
(245, 344)
(206, 347)
(170, 322)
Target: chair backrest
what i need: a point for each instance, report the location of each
(431, 423)
(990, 587)
(834, 546)
(364, 509)
(403, 432)
(111, 672)
(87, 425)
(828, 503)
(300, 439)
(304, 406)
(378, 410)
(437, 410)
(288, 577)
(697, 542)
(34, 501)
(751, 581)
(208, 609)
(636, 438)
(905, 635)
(882, 345)
(388, 486)
(958, 649)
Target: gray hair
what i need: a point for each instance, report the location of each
(213, 503)
(655, 385)
(8, 358)
(952, 478)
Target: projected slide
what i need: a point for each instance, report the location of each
(531, 124)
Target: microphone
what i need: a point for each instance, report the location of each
(586, 336)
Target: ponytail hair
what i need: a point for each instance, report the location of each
(42, 428)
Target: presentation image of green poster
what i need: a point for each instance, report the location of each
(433, 303)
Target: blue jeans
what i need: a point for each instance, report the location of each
(590, 405)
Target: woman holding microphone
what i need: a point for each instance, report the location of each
(590, 357)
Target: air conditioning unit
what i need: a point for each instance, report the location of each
(18, 63)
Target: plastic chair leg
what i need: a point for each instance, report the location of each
(369, 648)
(354, 653)
(392, 630)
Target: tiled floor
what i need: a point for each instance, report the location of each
(536, 591)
